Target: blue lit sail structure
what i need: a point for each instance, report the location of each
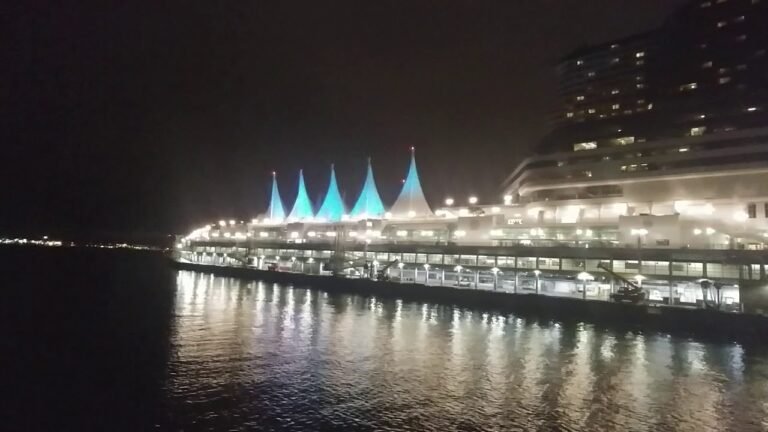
(411, 202)
(369, 203)
(302, 207)
(276, 211)
(333, 206)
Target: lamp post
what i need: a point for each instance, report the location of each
(449, 201)
(426, 278)
(584, 277)
(473, 200)
(400, 266)
(495, 272)
(458, 269)
(537, 272)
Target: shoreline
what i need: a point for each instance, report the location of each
(694, 322)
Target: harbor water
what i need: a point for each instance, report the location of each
(106, 340)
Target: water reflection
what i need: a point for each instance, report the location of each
(261, 354)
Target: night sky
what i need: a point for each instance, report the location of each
(158, 116)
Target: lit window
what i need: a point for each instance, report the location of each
(724, 80)
(640, 62)
(683, 149)
(590, 145)
(721, 24)
(579, 62)
(615, 60)
(615, 91)
(640, 101)
(623, 141)
(591, 110)
(615, 106)
(650, 106)
(579, 98)
(640, 54)
(741, 67)
(741, 38)
(614, 46)
(707, 65)
(751, 109)
(698, 131)
(640, 86)
(739, 19)
(590, 74)
(569, 115)
(706, 4)
(689, 87)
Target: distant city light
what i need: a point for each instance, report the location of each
(473, 200)
(222, 223)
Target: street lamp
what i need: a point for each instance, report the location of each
(449, 201)
(584, 277)
(537, 272)
(458, 269)
(473, 200)
(426, 278)
(495, 272)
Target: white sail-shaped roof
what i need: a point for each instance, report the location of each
(369, 203)
(302, 207)
(411, 202)
(332, 209)
(276, 211)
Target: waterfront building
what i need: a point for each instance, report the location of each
(657, 168)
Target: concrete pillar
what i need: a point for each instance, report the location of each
(517, 280)
(671, 285)
(442, 277)
(477, 279)
(416, 274)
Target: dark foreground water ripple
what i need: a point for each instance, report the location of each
(116, 341)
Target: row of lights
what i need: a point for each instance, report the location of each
(472, 200)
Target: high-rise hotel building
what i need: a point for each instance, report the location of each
(664, 133)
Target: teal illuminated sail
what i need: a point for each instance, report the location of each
(369, 203)
(302, 207)
(276, 211)
(411, 202)
(333, 206)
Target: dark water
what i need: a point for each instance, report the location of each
(97, 340)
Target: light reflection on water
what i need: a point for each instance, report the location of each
(252, 354)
